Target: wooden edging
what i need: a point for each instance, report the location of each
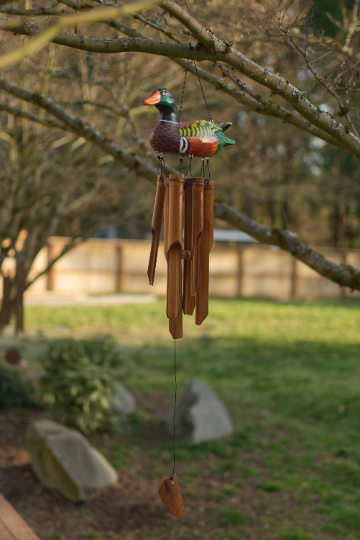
(12, 526)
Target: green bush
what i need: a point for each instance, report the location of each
(14, 392)
(80, 378)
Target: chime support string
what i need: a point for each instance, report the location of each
(174, 426)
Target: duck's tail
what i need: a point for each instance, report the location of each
(228, 141)
(225, 126)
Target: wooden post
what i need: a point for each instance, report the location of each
(294, 286)
(50, 277)
(240, 272)
(343, 262)
(119, 282)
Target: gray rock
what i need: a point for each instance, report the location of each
(123, 403)
(200, 415)
(63, 459)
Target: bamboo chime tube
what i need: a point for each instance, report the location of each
(174, 254)
(198, 224)
(206, 243)
(188, 299)
(166, 218)
(156, 225)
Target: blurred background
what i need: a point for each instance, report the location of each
(87, 345)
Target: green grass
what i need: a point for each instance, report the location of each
(228, 516)
(288, 373)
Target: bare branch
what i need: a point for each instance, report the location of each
(344, 275)
(277, 84)
(23, 114)
(50, 32)
(257, 104)
(41, 12)
(82, 128)
(217, 50)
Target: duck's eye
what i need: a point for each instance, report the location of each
(163, 93)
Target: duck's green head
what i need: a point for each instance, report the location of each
(164, 102)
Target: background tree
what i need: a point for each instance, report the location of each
(72, 115)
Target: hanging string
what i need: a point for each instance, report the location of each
(191, 47)
(174, 433)
(202, 91)
(189, 166)
(183, 88)
(161, 166)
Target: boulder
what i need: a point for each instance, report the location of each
(200, 415)
(123, 403)
(63, 459)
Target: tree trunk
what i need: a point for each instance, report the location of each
(12, 300)
(336, 225)
(5, 311)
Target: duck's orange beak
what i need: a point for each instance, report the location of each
(154, 99)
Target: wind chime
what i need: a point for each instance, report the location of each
(187, 204)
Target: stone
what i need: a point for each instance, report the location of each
(200, 415)
(123, 403)
(64, 460)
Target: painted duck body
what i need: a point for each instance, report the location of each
(200, 138)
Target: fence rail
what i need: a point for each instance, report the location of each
(112, 266)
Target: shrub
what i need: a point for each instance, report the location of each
(80, 380)
(13, 391)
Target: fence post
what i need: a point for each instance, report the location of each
(119, 283)
(50, 277)
(294, 286)
(240, 271)
(343, 261)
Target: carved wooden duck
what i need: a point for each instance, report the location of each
(200, 138)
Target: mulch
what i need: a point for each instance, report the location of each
(121, 512)
(132, 510)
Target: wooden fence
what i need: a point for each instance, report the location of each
(111, 266)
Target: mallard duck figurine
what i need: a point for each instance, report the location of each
(169, 136)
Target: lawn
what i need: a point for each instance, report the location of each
(289, 375)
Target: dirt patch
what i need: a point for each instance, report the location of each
(133, 510)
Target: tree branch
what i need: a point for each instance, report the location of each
(245, 96)
(23, 114)
(260, 105)
(344, 275)
(106, 45)
(50, 32)
(41, 12)
(277, 84)
(82, 128)
(217, 50)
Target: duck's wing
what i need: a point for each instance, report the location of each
(200, 128)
